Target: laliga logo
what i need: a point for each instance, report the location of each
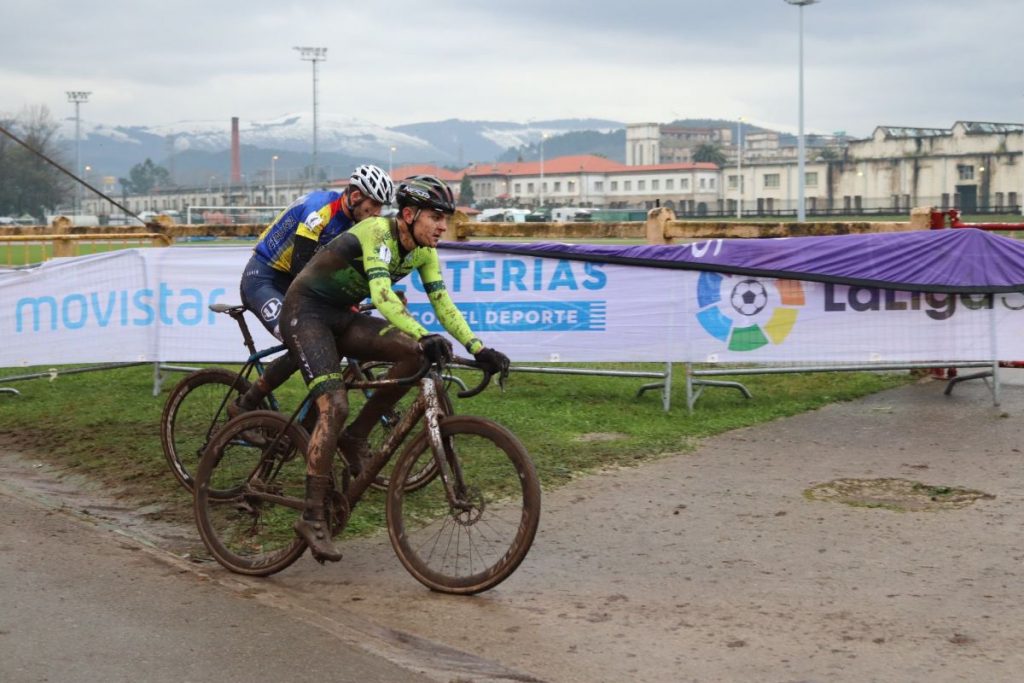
(738, 312)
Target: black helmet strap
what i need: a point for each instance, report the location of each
(411, 225)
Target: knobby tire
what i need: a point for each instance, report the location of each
(251, 532)
(469, 550)
(191, 416)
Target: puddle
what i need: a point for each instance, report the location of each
(60, 489)
(901, 495)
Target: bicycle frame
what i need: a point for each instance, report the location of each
(428, 407)
(255, 359)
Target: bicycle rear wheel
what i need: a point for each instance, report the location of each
(262, 464)
(477, 543)
(195, 409)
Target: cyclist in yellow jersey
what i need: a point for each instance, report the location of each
(319, 328)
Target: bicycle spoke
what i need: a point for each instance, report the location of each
(194, 411)
(475, 542)
(252, 532)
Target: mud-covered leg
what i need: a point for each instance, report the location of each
(313, 526)
(275, 374)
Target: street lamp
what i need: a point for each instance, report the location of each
(86, 171)
(313, 54)
(739, 168)
(77, 97)
(273, 180)
(391, 153)
(543, 136)
(801, 214)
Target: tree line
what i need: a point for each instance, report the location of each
(29, 185)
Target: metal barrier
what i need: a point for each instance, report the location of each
(661, 227)
(695, 385)
(665, 384)
(54, 373)
(70, 245)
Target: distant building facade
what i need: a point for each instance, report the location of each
(653, 143)
(973, 166)
(591, 181)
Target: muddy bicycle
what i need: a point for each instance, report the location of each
(197, 406)
(463, 532)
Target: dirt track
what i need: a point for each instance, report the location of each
(715, 566)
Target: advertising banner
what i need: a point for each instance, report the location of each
(152, 305)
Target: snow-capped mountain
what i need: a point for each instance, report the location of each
(198, 149)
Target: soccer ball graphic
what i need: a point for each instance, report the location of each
(749, 314)
(749, 297)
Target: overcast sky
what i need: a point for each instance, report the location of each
(867, 62)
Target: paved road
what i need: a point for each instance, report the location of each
(707, 566)
(82, 603)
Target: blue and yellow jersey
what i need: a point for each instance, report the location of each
(365, 262)
(317, 216)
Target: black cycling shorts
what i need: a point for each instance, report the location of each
(320, 334)
(262, 289)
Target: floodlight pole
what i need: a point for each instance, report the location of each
(801, 213)
(739, 168)
(273, 180)
(313, 54)
(540, 187)
(77, 97)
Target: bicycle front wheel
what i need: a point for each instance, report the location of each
(195, 409)
(475, 541)
(260, 459)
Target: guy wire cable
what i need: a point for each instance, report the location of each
(69, 173)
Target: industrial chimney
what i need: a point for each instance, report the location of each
(236, 157)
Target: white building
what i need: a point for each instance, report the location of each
(972, 166)
(592, 181)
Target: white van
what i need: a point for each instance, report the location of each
(78, 220)
(570, 214)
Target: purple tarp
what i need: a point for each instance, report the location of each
(961, 260)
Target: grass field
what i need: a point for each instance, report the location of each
(105, 424)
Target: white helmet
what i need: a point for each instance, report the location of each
(374, 183)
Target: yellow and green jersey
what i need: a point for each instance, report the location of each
(364, 262)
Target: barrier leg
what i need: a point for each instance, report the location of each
(693, 394)
(665, 386)
(994, 388)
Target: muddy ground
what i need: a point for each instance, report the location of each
(718, 565)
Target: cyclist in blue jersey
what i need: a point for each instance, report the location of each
(310, 222)
(290, 241)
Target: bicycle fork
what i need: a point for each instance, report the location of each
(447, 461)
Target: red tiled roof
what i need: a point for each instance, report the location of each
(403, 172)
(571, 164)
(693, 166)
(574, 164)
